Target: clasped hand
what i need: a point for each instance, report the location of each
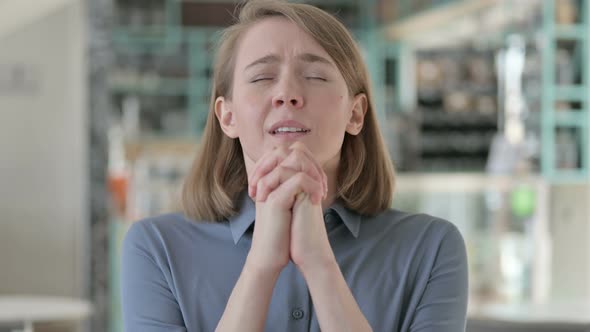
(288, 185)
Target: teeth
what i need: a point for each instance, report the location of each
(289, 130)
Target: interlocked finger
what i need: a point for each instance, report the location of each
(266, 164)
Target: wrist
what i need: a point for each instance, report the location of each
(262, 269)
(317, 266)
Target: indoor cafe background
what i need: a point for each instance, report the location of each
(484, 105)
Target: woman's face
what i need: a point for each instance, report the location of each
(286, 88)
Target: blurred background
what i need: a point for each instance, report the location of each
(484, 105)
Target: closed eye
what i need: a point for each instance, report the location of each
(316, 78)
(259, 79)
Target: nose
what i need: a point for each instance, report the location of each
(288, 94)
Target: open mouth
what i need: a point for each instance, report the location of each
(288, 130)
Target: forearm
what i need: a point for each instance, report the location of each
(333, 302)
(248, 304)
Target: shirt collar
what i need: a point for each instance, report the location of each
(240, 222)
(351, 219)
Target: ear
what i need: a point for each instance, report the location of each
(226, 117)
(357, 116)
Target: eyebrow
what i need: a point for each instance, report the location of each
(310, 57)
(305, 57)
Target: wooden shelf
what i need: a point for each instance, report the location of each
(434, 18)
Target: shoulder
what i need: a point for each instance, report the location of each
(418, 237)
(416, 225)
(422, 242)
(151, 227)
(167, 231)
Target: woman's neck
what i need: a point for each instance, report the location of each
(331, 170)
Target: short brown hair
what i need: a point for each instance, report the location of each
(366, 176)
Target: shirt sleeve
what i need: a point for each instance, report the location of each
(147, 301)
(443, 306)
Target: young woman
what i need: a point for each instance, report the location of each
(287, 223)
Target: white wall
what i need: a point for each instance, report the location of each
(43, 167)
(14, 14)
(570, 232)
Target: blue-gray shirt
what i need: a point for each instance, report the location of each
(407, 272)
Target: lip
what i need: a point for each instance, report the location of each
(288, 123)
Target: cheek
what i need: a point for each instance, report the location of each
(332, 120)
(249, 112)
(250, 122)
(250, 118)
(333, 109)
(251, 97)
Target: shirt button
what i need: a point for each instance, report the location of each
(297, 314)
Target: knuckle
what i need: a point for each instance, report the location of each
(263, 183)
(299, 153)
(301, 178)
(272, 197)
